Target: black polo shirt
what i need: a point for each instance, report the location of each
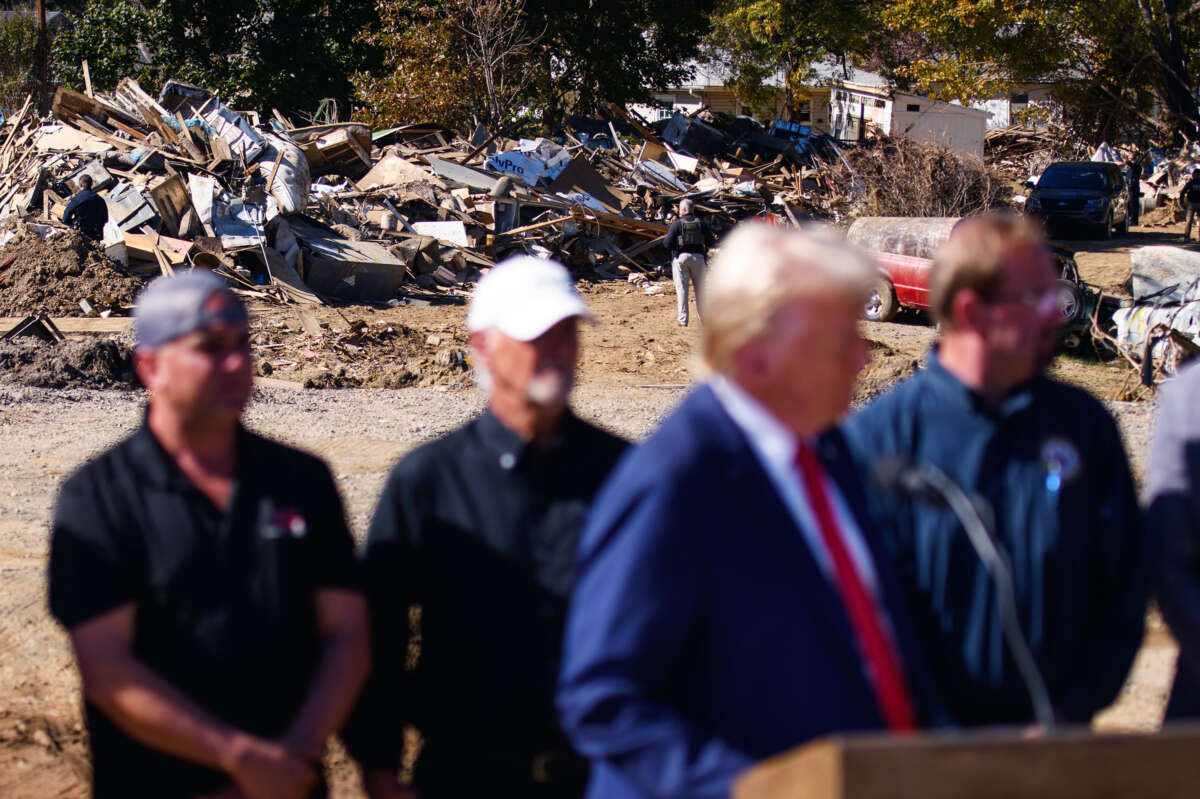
(480, 530)
(224, 601)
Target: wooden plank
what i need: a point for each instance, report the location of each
(87, 80)
(121, 126)
(16, 123)
(83, 123)
(79, 324)
(163, 263)
(274, 171)
(535, 226)
(172, 201)
(142, 245)
(479, 149)
(358, 149)
(185, 138)
(990, 764)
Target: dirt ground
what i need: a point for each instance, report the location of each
(53, 275)
(411, 364)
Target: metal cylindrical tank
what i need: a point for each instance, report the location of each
(915, 236)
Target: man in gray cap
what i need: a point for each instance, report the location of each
(206, 577)
(479, 530)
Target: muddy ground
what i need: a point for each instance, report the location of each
(636, 364)
(54, 274)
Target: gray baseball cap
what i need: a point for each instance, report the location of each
(171, 307)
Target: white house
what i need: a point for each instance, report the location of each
(855, 108)
(845, 103)
(705, 88)
(1008, 110)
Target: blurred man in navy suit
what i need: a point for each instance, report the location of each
(732, 600)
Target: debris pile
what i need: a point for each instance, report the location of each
(64, 275)
(86, 363)
(358, 354)
(339, 213)
(911, 179)
(1160, 328)
(1019, 151)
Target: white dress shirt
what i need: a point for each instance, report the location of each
(776, 445)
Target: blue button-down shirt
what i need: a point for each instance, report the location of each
(1050, 462)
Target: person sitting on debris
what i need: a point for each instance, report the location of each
(733, 600)
(688, 241)
(1173, 511)
(479, 529)
(87, 212)
(206, 577)
(1046, 456)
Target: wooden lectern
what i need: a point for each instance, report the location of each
(1070, 764)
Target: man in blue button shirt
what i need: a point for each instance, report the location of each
(1046, 456)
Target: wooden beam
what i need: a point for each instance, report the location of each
(479, 149)
(638, 126)
(274, 170)
(79, 324)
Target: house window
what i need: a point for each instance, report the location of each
(1020, 98)
(839, 95)
(913, 107)
(804, 111)
(880, 103)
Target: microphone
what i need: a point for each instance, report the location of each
(929, 484)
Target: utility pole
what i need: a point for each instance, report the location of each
(41, 76)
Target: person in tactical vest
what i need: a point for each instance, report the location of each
(688, 240)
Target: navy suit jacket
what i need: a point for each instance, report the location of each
(703, 635)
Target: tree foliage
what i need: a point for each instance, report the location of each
(971, 50)
(269, 53)
(106, 35)
(18, 45)
(593, 53)
(1113, 60)
(465, 61)
(756, 39)
(424, 78)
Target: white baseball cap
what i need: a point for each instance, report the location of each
(523, 297)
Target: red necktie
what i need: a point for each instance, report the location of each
(882, 660)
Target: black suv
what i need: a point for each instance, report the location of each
(1088, 192)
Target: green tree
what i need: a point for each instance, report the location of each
(423, 76)
(465, 61)
(592, 53)
(1114, 60)
(18, 46)
(260, 54)
(106, 35)
(759, 38)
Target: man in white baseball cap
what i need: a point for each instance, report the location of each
(479, 529)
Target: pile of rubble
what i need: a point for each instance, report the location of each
(1159, 329)
(339, 213)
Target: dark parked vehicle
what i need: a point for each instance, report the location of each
(1090, 193)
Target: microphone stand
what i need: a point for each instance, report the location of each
(996, 563)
